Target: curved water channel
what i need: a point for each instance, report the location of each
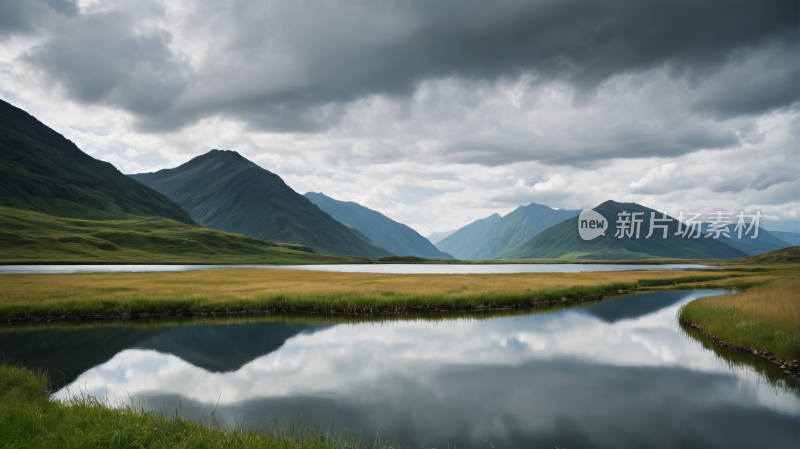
(618, 373)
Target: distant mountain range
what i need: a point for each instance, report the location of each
(42, 171)
(437, 237)
(495, 236)
(43, 175)
(792, 238)
(223, 190)
(563, 241)
(461, 244)
(391, 235)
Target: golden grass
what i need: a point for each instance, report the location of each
(249, 283)
(765, 317)
(776, 303)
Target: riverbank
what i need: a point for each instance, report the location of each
(29, 417)
(103, 295)
(763, 320)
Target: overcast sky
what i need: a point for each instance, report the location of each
(435, 113)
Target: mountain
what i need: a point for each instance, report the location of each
(391, 235)
(223, 190)
(42, 171)
(518, 227)
(505, 233)
(562, 241)
(461, 242)
(437, 237)
(792, 238)
(765, 242)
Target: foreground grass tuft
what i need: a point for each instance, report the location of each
(30, 418)
(765, 317)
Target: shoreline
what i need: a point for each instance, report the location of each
(791, 367)
(365, 311)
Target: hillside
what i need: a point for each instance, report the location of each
(40, 170)
(789, 255)
(223, 190)
(764, 243)
(493, 237)
(437, 237)
(461, 243)
(562, 241)
(31, 237)
(518, 227)
(395, 237)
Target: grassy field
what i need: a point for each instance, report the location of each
(31, 237)
(29, 417)
(765, 317)
(242, 289)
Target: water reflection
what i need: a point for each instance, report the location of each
(620, 373)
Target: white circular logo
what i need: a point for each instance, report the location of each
(591, 224)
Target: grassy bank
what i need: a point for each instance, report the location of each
(30, 237)
(30, 418)
(765, 317)
(228, 290)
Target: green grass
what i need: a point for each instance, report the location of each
(765, 317)
(30, 418)
(31, 237)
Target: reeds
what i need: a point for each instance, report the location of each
(764, 317)
(226, 290)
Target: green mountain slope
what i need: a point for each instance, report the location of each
(391, 235)
(223, 190)
(518, 227)
(480, 242)
(789, 255)
(462, 242)
(562, 241)
(31, 237)
(41, 170)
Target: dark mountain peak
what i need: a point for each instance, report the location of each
(43, 171)
(224, 190)
(224, 156)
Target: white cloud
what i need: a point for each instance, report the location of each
(446, 151)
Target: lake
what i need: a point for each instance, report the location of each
(618, 373)
(358, 268)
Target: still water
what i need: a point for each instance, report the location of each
(619, 373)
(360, 268)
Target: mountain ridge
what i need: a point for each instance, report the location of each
(224, 190)
(494, 236)
(393, 236)
(562, 241)
(43, 171)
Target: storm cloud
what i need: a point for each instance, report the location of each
(276, 64)
(517, 98)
